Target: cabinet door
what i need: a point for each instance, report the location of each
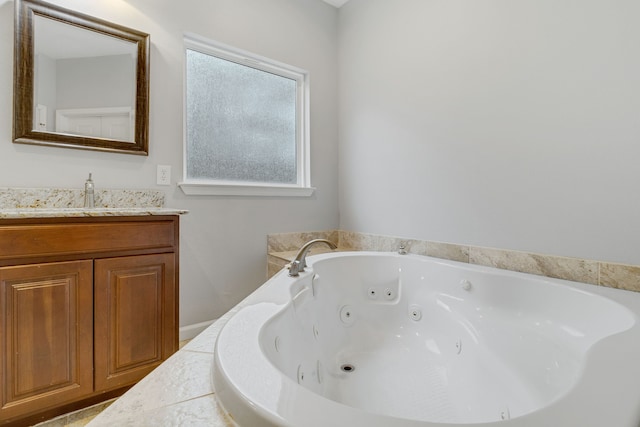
(46, 335)
(135, 317)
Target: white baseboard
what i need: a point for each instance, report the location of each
(190, 331)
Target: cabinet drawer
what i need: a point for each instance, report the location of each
(24, 241)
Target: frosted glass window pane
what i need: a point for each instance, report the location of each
(240, 122)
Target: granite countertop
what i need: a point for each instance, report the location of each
(69, 202)
(86, 212)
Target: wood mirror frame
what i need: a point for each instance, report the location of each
(24, 76)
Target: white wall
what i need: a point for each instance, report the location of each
(223, 239)
(499, 123)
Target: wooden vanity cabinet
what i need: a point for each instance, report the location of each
(88, 306)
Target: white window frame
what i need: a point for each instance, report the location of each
(303, 162)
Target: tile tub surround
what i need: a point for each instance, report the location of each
(281, 249)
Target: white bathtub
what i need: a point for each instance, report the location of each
(384, 340)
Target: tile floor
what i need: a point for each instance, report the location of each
(78, 418)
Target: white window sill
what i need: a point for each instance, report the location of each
(209, 189)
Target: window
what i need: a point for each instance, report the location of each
(246, 123)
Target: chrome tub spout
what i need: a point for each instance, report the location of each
(299, 263)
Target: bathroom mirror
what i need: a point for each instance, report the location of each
(79, 81)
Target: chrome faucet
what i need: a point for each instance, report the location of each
(89, 196)
(300, 261)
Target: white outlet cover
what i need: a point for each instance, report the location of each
(163, 175)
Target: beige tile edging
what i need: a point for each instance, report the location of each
(282, 248)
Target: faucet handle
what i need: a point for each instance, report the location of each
(295, 267)
(402, 248)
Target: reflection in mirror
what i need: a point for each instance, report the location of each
(80, 82)
(84, 82)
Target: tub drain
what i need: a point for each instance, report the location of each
(347, 367)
